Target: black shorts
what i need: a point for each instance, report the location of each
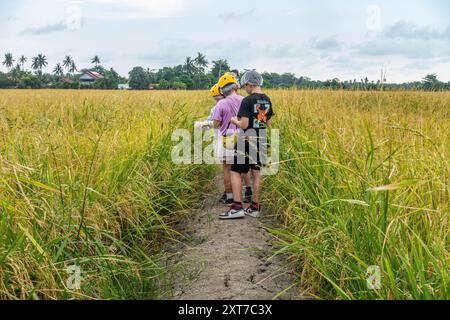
(245, 168)
(247, 162)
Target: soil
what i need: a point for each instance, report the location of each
(230, 260)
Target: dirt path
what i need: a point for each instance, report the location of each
(229, 260)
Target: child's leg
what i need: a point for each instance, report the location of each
(236, 183)
(248, 179)
(256, 185)
(248, 187)
(227, 178)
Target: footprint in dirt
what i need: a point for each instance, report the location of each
(226, 281)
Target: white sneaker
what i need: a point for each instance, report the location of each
(253, 212)
(234, 213)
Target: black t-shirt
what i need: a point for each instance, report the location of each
(257, 107)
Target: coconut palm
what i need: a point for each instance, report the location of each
(67, 62)
(189, 66)
(16, 73)
(219, 67)
(35, 64)
(73, 67)
(9, 61)
(96, 61)
(58, 71)
(22, 61)
(39, 62)
(201, 61)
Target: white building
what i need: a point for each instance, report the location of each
(123, 86)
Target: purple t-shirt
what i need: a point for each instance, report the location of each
(225, 110)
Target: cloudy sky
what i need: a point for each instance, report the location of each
(321, 39)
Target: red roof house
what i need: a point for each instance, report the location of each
(89, 77)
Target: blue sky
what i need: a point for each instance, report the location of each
(320, 39)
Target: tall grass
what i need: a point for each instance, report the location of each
(364, 181)
(86, 179)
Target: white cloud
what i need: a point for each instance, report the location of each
(327, 44)
(63, 25)
(409, 41)
(410, 30)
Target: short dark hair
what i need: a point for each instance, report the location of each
(236, 72)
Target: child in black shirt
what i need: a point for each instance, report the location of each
(254, 119)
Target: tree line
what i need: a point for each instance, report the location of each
(194, 74)
(65, 74)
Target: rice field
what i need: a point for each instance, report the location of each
(86, 181)
(364, 185)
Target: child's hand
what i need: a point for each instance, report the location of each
(198, 125)
(205, 125)
(235, 120)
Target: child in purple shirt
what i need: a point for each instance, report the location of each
(225, 110)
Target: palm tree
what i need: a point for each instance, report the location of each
(189, 66)
(58, 71)
(16, 73)
(219, 67)
(201, 61)
(39, 62)
(9, 61)
(42, 61)
(22, 61)
(35, 64)
(73, 67)
(67, 62)
(96, 60)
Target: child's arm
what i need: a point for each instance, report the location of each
(204, 125)
(216, 117)
(242, 124)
